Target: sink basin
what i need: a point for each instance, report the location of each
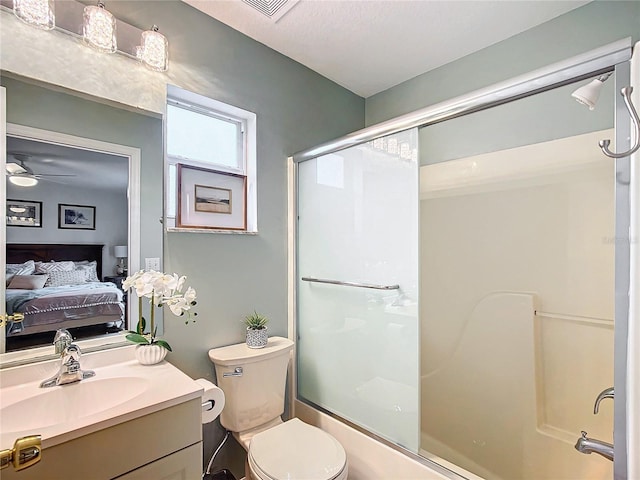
(121, 390)
(69, 402)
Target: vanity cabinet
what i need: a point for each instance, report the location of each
(166, 444)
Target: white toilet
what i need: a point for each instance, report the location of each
(253, 381)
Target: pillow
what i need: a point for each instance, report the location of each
(26, 268)
(73, 277)
(89, 268)
(48, 267)
(28, 282)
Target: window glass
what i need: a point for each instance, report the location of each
(204, 138)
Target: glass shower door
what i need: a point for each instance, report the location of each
(357, 292)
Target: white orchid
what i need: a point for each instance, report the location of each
(161, 289)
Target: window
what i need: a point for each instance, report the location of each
(211, 135)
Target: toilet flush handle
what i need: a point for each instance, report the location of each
(237, 372)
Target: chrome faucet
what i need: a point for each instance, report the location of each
(62, 340)
(591, 445)
(607, 393)
(70, 370)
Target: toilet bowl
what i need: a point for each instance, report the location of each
(296, 450)
(253, 381)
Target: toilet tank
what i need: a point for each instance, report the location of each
(254, 395)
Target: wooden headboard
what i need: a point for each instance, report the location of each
(46, 252)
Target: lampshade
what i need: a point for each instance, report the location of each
(38, 13)
(99, 28)
(154, 50)
(23, 180)
(120, 251)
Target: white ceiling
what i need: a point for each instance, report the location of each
(92, 170)
(368, 46)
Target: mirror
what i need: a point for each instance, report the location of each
(103, 151)
(64, 236)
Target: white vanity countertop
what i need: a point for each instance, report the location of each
(121, 390)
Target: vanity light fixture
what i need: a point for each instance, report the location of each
(154, 50)
(38, 13)
(99, 28)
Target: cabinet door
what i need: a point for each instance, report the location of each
(185, 464)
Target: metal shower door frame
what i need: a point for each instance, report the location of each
(611, 57)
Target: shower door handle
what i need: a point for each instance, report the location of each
(350, 284)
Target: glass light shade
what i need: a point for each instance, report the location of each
(23, 180)
(154, 50)
(38, 13)
(99, 28)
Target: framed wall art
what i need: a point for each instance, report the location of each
(211, 199)
(24, 213)
(76, 217)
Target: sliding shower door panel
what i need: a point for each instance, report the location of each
(357, 287)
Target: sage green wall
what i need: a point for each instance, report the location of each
(296, 108)
(581, 30)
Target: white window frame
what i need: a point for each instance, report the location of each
(247, 142)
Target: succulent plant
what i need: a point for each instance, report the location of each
(256, 321)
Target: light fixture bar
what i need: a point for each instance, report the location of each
(68, 19)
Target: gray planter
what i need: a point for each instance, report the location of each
(257, 338)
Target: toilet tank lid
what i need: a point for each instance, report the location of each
(240, 353)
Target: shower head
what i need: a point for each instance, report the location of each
(588, 94)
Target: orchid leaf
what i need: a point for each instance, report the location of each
(164, 344)
(137, 338)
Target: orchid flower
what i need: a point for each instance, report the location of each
(161, 289)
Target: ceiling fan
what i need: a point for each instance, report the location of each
(21, 175)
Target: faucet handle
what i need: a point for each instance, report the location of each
(606, 393)
(62, 340)
(72, 349)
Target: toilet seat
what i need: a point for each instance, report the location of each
(296, 450)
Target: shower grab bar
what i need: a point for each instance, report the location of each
(351, 284)
(575, 318)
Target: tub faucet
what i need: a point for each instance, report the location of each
(591, 445)
(70, 370)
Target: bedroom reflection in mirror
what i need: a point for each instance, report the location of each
(62, 277)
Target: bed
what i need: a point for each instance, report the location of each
(70, 296)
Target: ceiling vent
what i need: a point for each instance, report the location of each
(272, 9)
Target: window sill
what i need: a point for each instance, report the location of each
(209, 230)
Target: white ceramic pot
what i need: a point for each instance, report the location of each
(257, 338)
(150, 354)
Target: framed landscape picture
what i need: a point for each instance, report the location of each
(211, 199)
(76, 217)
(24, 213)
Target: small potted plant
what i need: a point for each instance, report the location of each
(256, 330)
